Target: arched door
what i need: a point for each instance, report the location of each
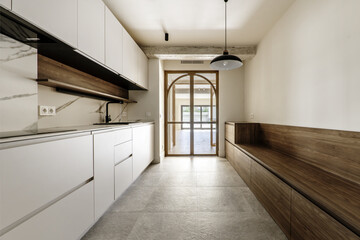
(191, 113)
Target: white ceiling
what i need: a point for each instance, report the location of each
(197, 22)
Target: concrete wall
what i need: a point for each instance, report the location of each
(306, 70)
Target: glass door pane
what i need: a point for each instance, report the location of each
(178, 139)
(204, 91)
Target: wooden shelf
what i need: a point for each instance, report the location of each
(60, 86)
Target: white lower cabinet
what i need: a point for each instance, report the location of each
(33, 175)
(68, 219)
(123, 176)
(103, 171)
(143, 148)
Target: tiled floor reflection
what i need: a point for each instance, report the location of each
(187, 198)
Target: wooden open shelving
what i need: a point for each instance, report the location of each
(60, 86)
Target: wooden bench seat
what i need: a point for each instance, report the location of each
(308, 179)
(337, 196)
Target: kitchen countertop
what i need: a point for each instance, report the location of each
(14, 136)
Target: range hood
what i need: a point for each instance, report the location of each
(47, 45)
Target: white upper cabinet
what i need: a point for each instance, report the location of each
(5, 3)
(142, 74)
(130, 53)
(113, 42)
(91, 28)
(59, 18)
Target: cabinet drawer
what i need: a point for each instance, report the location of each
(230, 133)
(229, 150)
(33, 175)
(123, 135)
(242, 164)
(123, 151)
(68, 218)
(274, 195)
(123, 176)
(310, 222)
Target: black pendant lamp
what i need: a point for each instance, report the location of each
(226, 61)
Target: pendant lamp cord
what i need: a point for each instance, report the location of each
(225, 26)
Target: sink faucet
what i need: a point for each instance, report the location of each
(107, 116)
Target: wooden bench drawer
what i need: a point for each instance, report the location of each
(242, 164)
(230, 133)
(310, 222)
(274, 195)
(229, 151)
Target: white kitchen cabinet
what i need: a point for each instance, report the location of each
(32, 175)
(103, 171)
(142, 75)
(91, 28)
(113, 42)
(130, 53)
(68, 218)
(58, 18)
(143, 148)
(5, 3)
(123, 176)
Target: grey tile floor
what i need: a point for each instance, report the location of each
(187, 198)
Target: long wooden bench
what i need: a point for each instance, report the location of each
(307, 179)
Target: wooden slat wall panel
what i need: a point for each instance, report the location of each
(331, 150)
(274, 194)
(246, 133)
(51, 69)
(310, 222)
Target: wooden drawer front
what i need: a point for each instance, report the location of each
(273, 194)
(33, 175)
(230, 133)
(310, 222)
(242, 164)
(68, 218)
(123, 176)
(123, 151)
(229, 151)
(123, 135)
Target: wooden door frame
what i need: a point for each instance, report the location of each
(191, 73)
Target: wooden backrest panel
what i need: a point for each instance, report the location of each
(51, 69)
(334, 151)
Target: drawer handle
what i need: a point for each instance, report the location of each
(117, 163)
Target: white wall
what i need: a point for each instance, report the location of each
(231, 94)
(149, 102)
(306, 71)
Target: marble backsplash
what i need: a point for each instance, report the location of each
(18, 88)
(20, 95)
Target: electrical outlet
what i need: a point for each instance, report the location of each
(148, 114)
(52, 110)
(251, 116)
(43, 110)
(124, 114)
(47, 110)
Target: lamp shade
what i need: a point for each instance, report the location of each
(226, 62)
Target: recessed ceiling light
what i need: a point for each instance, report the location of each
(33, 39)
